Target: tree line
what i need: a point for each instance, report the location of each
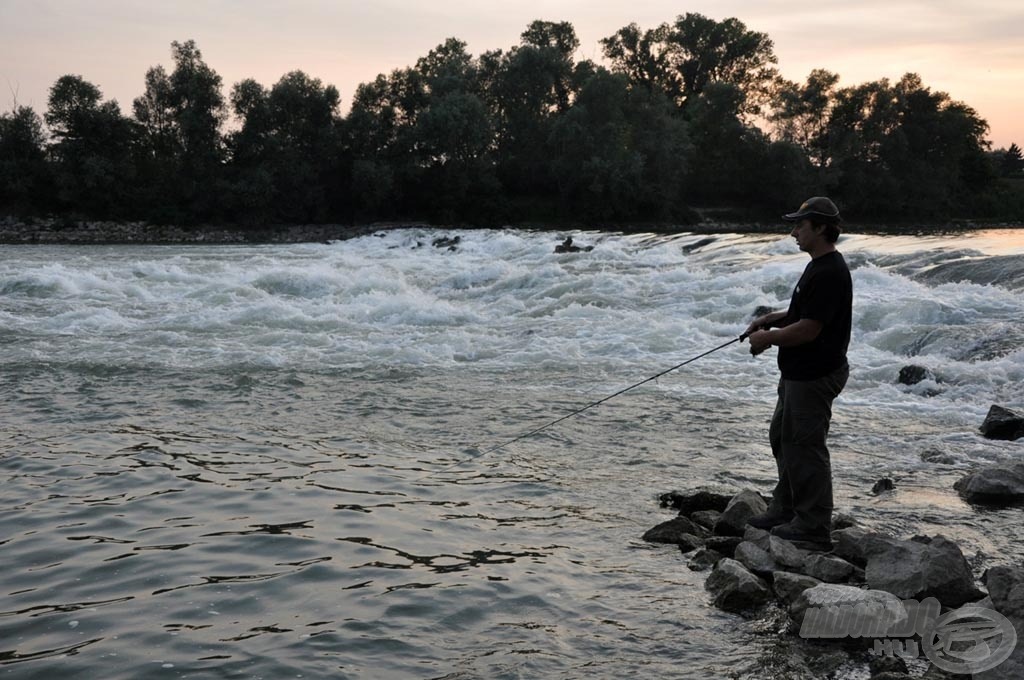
(689, 115)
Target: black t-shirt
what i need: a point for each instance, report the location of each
(824, 293)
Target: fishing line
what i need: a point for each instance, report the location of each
(588, 406)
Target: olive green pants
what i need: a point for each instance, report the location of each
(798, 432)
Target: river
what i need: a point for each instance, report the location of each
(264, 461)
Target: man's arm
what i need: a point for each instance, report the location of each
(799, 333)
(765, 321)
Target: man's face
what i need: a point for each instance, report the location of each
(805, 234)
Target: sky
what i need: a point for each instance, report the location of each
(971, 49)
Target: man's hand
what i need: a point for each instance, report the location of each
(760, 340)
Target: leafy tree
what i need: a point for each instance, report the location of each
(684, 58)
(906, 150)
(24, 175)
(92, 150)
(801, 113)
(1012, 161)
(288, 144)
(619, 154)
(181, 114)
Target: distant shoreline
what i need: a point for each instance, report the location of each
(56, 231)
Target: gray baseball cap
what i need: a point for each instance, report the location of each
(819, 206)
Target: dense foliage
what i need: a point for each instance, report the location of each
(687, 116)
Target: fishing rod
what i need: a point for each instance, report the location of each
(592, 405)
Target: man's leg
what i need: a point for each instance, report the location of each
(803, 454)
(782, 496)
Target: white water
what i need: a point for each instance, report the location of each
(270, 385)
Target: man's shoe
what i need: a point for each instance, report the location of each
(769, 520)
(818, 540)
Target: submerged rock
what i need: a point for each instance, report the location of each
(687, 502)
(734, 588)
(998, 484)
(678, 530)
(706, 518)
(704, 559)
(920, 568)
(567, 246)
(913, 374)
(1002, 423)
(882, 485)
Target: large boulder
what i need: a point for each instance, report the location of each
(920, 568)
(734, 588)
(998, 484)
(742, 507)
(1002, 423)
(678, 530)
(832, 601)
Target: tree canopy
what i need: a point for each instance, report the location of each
(687, 115)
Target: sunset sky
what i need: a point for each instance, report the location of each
(972, 49)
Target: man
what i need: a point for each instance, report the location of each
(812, 337)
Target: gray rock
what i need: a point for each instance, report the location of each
(923, 567)
(689, 543)
(1002, 423)
(706, 518)
(892, 675)
(827, 568)
(673, 531)
(885, 608)
(742, 507)
(758, 537)
(755, 558)
(734, 588)
(723, 544)
(938, 457)
(787, 554)
(704, 559)
(788, 586)
(853, 543)
(998, 484)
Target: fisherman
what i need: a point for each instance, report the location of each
(812, 336)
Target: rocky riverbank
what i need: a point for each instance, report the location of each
(62, 231)
(876, 602)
